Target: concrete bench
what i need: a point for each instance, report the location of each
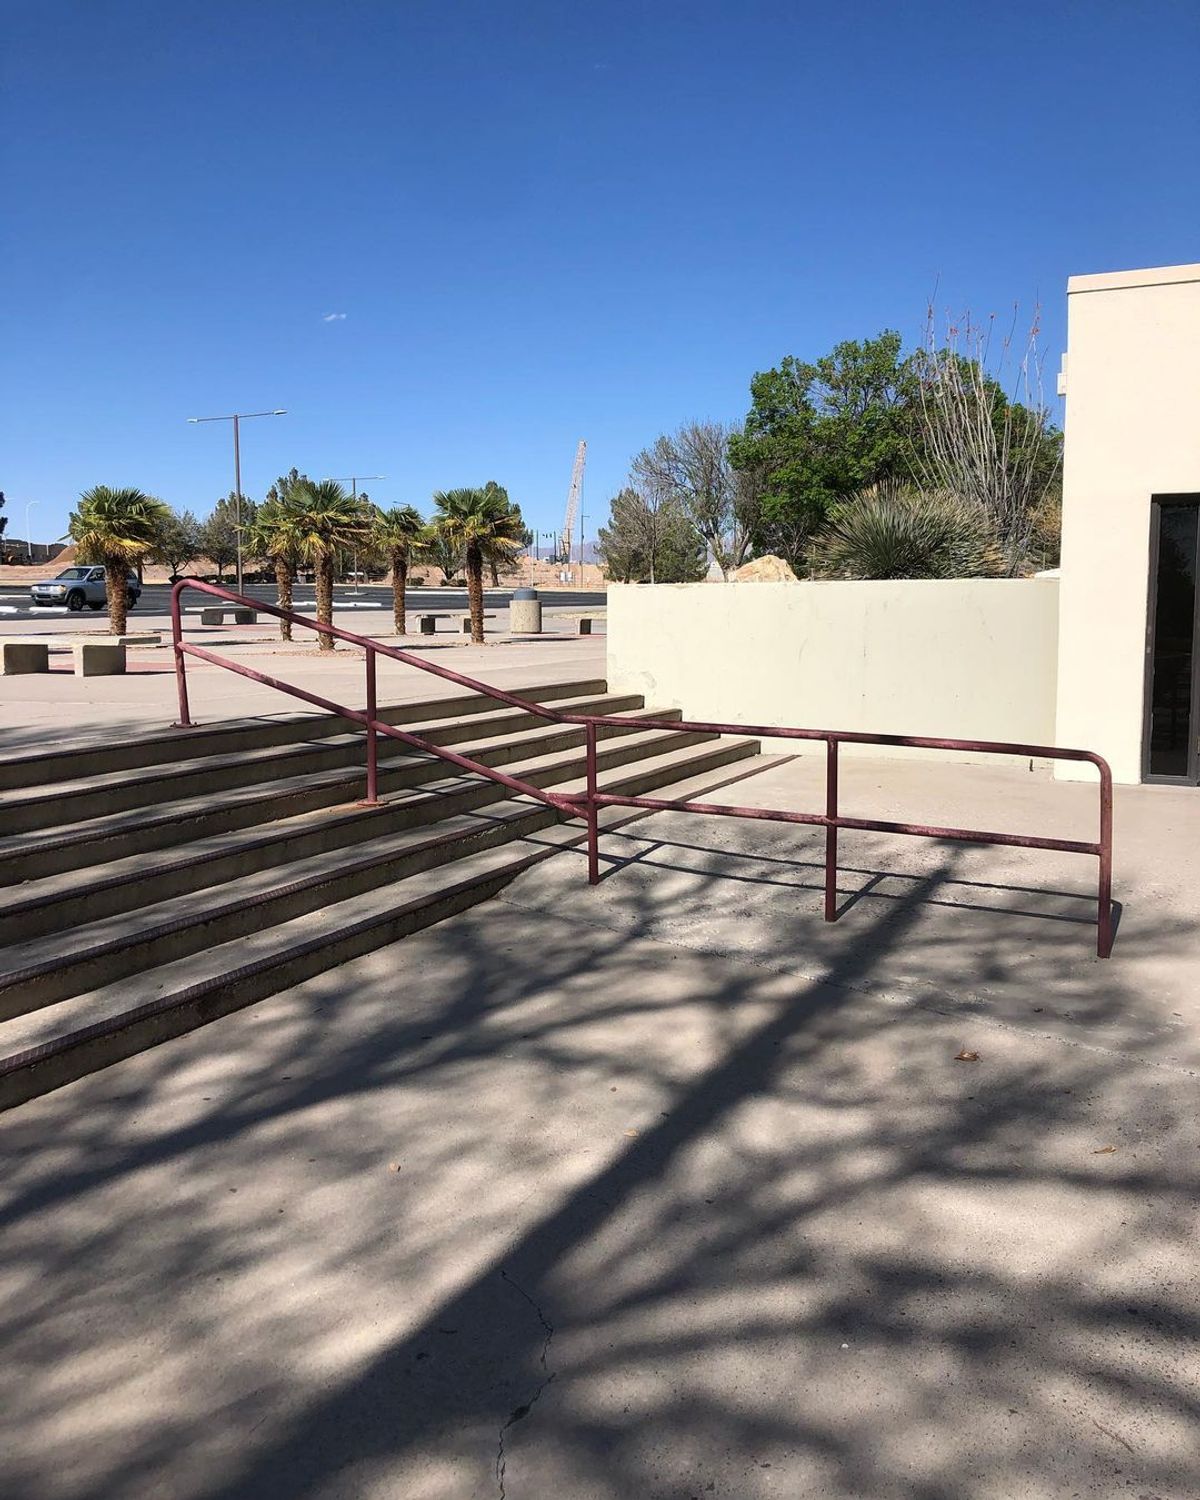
(19, 657)
(241, 616)
(585, 625)
(427, 623)
(465, 622)
(99, 658)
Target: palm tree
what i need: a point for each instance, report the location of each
(518, 532)
(273, 533)
(398, 532)
(479, 522)
(117, 528)
(321, 518)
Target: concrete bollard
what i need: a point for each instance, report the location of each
(99, 658)
(19, 657)
(525, 616)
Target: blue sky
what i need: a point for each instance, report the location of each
(534, 222)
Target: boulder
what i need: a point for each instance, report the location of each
(768, 569)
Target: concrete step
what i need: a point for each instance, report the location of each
(50, 849)
(99, 757)
(93, 887)
(86, 797)
(60, 1043)
(103, 951)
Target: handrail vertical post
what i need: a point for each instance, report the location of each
(831, 833)
(1104, 915)
(593, 812)
(180, 655)
(372, 737)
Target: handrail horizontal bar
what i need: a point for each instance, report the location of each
(587, 803)
(560, 803)
(765, 731)
(870, 825)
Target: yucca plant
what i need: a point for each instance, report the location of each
(117, 528)
(478, 522)
(398, 532)
(901, 533)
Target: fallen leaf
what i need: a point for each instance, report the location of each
(965, 1056)
(1104, 1150)
(393, 1166)
(631, 1132)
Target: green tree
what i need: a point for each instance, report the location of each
(899, 532)
(323, 518)
(178, 542)
(480, 523)
(219, 532)
(398, 532)
(116, 527)
(691, 466)
(649, 539)
(442, 551)
(500, 556)
(816, 433)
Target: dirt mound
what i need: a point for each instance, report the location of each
(768, 569)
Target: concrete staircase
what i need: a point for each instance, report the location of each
(153, 884)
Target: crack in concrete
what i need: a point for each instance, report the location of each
(519, 1413)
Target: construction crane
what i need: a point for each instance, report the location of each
(573, 507)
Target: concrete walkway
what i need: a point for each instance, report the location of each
(57, 706)
(655, 1191)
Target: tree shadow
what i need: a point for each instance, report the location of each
(827, 1256)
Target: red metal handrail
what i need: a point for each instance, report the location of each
(587, 804)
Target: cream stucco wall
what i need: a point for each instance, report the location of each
(1132, 380)
(970, 659)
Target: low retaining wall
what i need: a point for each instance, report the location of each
(965, 659)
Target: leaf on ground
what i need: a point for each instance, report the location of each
(965, 1056)
(1104, 1150)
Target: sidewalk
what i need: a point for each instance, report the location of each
(52, 708)
(659, 1190)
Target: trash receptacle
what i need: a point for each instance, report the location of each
(525, 613)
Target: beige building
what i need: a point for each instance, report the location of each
(1128, 625)
(1105, 657)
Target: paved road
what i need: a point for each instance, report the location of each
(14, 599)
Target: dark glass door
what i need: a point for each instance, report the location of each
(1172, 708)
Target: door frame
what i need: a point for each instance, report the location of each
(1192, 777)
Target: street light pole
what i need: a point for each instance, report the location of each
(236, 418)
(28, 534)
(352, 481)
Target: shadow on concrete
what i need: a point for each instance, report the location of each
(838, 1261)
